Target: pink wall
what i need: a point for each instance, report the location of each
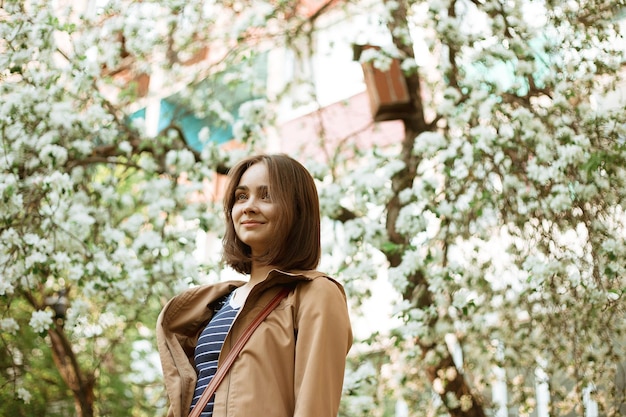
(337, 127)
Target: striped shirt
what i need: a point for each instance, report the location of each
(208, 349)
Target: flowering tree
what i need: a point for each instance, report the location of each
(503, 221)
(498, 218)
(98, 215)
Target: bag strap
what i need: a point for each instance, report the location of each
(222, 370)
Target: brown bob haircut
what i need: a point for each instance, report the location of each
(298, 238)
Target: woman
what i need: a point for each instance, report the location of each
(293, 365)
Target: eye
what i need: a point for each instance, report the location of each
(241, 196)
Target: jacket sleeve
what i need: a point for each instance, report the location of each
(178, 374)
(324, 336)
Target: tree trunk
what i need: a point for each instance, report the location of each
(81, 384)
(417, 291)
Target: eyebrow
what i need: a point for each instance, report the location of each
(246, 188)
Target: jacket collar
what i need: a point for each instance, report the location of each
(186, 312)
(280, 277)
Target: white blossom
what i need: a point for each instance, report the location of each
(6, 286)
(428, 143)
(452, 400)
(561, 199)
(35, 257)
(149, 164)
(53, 155)
(112, 235)
(204, 135)
(379, 59)
(41, 320)
(180, 160)
(148, 239)
(466, 402)
(78, 309)
(9, 325)
(75, 272)
(24, 395)
(125, 147)
(438, 386)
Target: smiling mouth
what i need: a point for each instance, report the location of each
(251, 223)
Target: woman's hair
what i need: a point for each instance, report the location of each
(297, 239)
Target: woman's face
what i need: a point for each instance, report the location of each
(255, 216)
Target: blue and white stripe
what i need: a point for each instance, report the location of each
(208, 349)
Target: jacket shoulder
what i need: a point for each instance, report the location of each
(189, 308)
(323, 285)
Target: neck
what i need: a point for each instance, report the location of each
(258, 273)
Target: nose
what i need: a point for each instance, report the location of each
(250, 206)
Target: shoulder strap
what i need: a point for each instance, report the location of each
(222, 370)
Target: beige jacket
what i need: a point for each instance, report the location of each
(292, 366)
